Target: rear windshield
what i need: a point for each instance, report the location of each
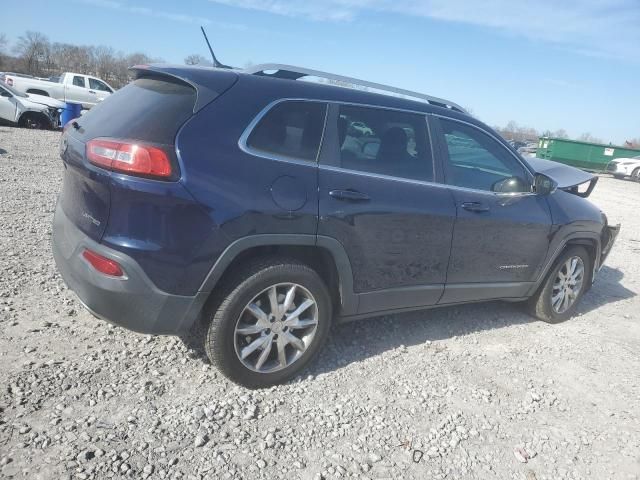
(148, 109)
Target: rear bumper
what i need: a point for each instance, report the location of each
(133, 301)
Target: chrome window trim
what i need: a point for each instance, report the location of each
(242, 144)
(482, 130)
(242, 141)
(425, 183)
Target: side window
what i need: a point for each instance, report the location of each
(475, 160)
(78, 81)
(291, 129)
(384, 142)
(95, 84)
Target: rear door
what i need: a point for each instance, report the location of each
(378, 199)
(501, 235)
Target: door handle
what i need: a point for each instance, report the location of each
(474, 207)
(349, 195)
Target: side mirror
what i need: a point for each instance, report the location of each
(510, 185)
(543, 185)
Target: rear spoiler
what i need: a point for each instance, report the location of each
(209, 83)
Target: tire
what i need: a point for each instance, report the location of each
(541, 305)
(34, 121)
(253, 284)
(635, 175)
(619, 177)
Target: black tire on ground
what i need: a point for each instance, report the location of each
(237, 291)
(34, 120)
(540, 305)
(635, 175)
(619, 177)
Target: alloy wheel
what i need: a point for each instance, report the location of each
(567, 284)
(276, 327)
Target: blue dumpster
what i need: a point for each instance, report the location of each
(70, 112)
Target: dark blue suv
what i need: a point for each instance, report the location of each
(268, 207)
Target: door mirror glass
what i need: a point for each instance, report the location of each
(543, 185)
(511, 185)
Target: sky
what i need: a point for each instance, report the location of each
(549, 64)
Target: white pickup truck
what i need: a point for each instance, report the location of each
(71, 87)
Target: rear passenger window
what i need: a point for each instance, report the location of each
(291, 129)
(78, 81)
(384, 142)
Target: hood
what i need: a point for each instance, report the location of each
(567, 178)
(625, 160)
(43, 100)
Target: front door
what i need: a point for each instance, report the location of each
(377, 199)
(501, 235)
(7, 105)
(78, 91)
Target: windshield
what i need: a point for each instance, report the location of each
(14, 91)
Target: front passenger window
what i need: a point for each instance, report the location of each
(477, 161)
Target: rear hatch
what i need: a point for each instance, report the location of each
(150, 109)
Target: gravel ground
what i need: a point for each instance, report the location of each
(480, 391)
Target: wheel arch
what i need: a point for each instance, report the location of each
(589, 240)
(33, 113)
(324, 254)
(37, 91)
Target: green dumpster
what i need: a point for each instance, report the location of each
(585, 155)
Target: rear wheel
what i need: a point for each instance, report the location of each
(635, 175)
(558, 297)
(272, 319)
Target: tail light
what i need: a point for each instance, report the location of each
(130, 157)
(103, 264)
(10, 82)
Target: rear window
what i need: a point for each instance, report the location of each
(148, 109)
(291, 129)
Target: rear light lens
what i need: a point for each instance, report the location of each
(103, 264)
(10, 82)
(129, 157)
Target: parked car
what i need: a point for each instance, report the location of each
(625, 167)
(71, 87)
(27, 110)
(229, 198)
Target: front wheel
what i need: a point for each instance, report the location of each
(635, 175)
(272, 319)
(558, 297)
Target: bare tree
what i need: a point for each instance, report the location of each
(587, 137)
(3, 46)
(561, 133)
(196, 59)
(33, 48)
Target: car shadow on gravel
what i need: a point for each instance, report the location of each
(361, 339)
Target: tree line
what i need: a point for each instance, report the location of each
(34, 54)
(513, 131)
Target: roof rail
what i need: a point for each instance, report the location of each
(291, 72)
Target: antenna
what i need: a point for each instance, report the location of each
(216, 63)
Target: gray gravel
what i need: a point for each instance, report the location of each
(478, 391)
